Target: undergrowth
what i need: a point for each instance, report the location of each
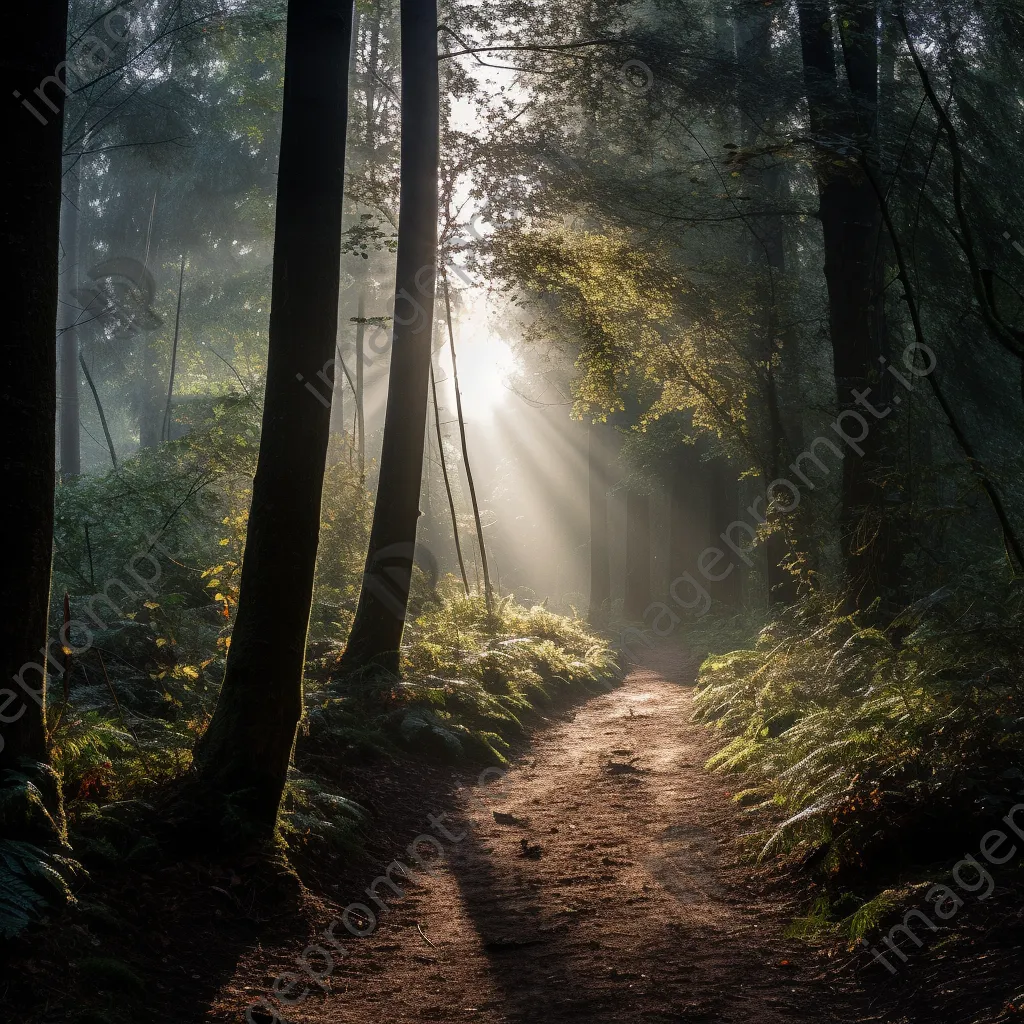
(149, 559)
(883, 750)
(469, 680)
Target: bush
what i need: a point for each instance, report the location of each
(468, 679)
(897, 741)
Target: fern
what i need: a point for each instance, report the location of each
(857, 737)
(32, 881)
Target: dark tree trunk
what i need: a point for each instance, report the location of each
(383, 602)
(30, 230)
(723, 511)
(638, 555)
(151, 393)
(688, 516)
(243, 757)
(70, 404)
(851, 226)
(768, 263)
(600, 563)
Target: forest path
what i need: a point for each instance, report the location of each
(638, 907)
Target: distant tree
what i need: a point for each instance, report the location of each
(242, 758)
(638, 554)
(600, 555)
(380, 616)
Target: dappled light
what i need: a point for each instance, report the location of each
(513, 512)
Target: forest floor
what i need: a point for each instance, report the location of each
(637, 905)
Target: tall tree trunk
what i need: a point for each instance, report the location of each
(488, 597)
(30, 174)
(383, 602)
(688, 513)
(70, 315)
(150, 393)
(851, 226)
(165, 430)
(600, 564)
(359, 392)
(638, 555)
(447, 481)
(243, 757)
(723, 511)
(768, 262)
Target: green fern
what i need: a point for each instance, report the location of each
(32, 881)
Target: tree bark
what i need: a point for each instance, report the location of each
(70, 314)
(688, 515)
(768, 263)
(242, 759)
(383, 602)
(851, 226)
(723, 509)
(638, 555)
(600, 563)
(488, 598)
(447, 481)
(30, 172)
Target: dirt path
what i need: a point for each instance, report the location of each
(636, 909)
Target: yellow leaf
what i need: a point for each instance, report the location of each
(150, 604)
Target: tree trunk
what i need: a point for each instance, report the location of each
(360, 370)
(768, 263)
(70, 314)
(150, 393)
(851, 226)
(688, 515)
(600, 564)
(30, 172)
(243, 757)
(383, 602)
(638, 555)
(467, 465)
(723, 511)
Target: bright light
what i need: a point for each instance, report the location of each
(485, 365)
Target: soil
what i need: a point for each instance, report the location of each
(600, 880)
(612, 890)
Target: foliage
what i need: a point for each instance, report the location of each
(870, 740)
(35, 867)
(470, 681)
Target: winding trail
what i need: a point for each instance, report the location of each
(637, 908)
